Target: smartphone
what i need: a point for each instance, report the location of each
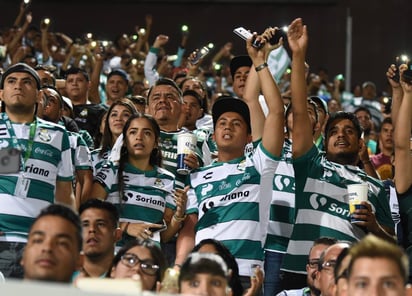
(9, 160)
(245, 34)
(199, 54)
(157, 229)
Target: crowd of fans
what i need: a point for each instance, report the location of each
(96, 125)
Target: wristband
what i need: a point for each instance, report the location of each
(262, 66)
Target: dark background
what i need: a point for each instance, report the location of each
(381, 28)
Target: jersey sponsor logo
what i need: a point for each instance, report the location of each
(37, 171)
(206, 189)
(281, 182)
(143, 199)
(321, 202)
(235, 195)
(224, 186)
(207, 206)
(44, 152)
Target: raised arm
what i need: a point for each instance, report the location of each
(272, 137)
(302, 128)
(402, 135)
(397, 93)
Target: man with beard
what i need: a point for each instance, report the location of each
(317, 249)
(100, 222)
(321, 179)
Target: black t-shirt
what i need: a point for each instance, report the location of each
(88, 117)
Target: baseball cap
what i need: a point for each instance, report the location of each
(231, 104)
(239, 61)
(119, 72)
(20, 68)
(321, 103)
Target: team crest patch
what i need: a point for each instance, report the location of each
(159, 183)
(167, 143)
(44, 135)
(84, 113)
(242, 166)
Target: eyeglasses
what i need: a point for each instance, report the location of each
(328, 265)
(132, 260)
(313, 263)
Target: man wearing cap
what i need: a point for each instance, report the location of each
(230, 198)
(323, 116)
(45, 174)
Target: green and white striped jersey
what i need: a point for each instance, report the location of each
(232, 202)
(322, 207)
(24, 194)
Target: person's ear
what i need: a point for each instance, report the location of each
(118, 234)
(80, 261)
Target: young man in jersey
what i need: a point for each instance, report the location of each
(45, 173)
(230, 198)
(54, 244)
(321, 179)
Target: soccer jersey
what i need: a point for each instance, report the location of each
(24, 194)
(282, 208)
(322, 207)
(168, 146)
(145, 196)
(80, 152)
(232, 202)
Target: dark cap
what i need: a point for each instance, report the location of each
(119, 72)
(230, 104)
(320, 102)
(19, 68)
(239, 61)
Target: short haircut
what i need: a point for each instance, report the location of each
(75, 70)
(65, 213)
(363, 108)
(373, 247)
(341, 115)
(165, 81)
(387, 120)
(101, 205)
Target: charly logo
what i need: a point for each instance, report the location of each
(316, 202)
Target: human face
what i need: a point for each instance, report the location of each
(195, 85)
(20, 93)
(46, 78)
(205, 284)
(77, 87)
(386, 136)
(141, 138)
(375, 276)
(164, 104)
(117, 119)
(124, 270)
(53, 109)
(51, 253)
(343, 142)
(192, 110)
(239, 80)
(312, 266)
(364, 120)
(99, 233)
(231, 132)
(116, 88)
(325, 278)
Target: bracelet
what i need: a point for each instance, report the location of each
(179, 219)
(262, 66)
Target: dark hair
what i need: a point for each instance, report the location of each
(194, 94)
(337, 273)
(138, 99)
(363, 108)
(75, 70)
(205, 99)
(107, 137)
(155, 157)
(341, 115)
(197, 263)
(165, 81)
(50, 69)
(155, 252)
(46, 101)
(102, 205)
(386, 120)
(234, 280)
(67, 214)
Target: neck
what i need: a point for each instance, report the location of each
(190, 127)
(95, 267)
(78, 100)
(168, 126)
(21, 118)
(141, 164)
(224, 156)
